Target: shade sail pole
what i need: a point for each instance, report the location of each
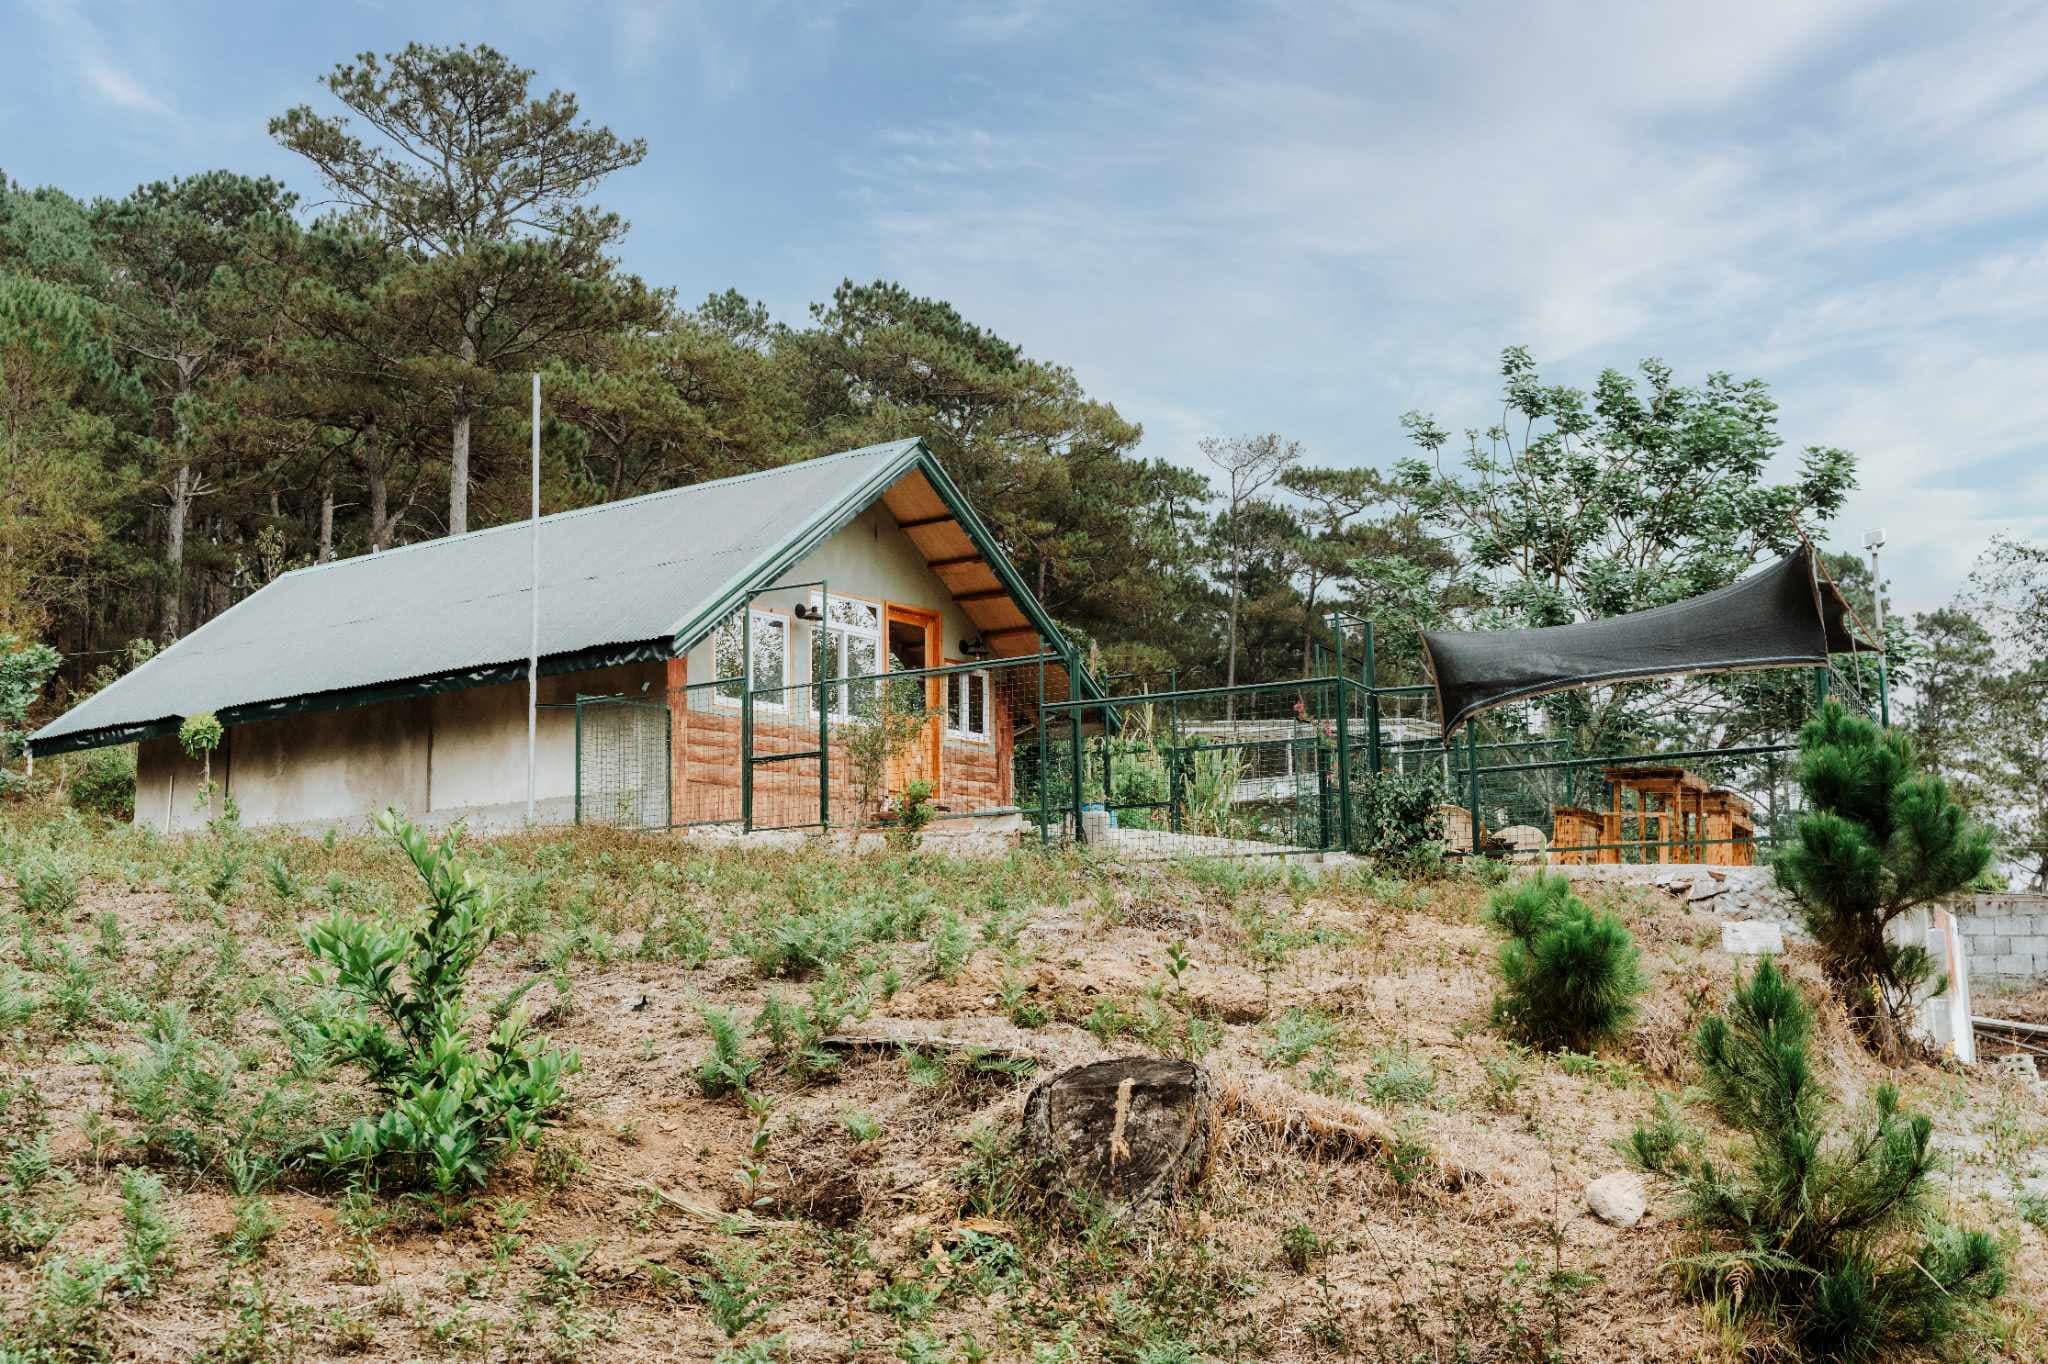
(533, 644)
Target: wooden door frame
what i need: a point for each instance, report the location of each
(934, 623)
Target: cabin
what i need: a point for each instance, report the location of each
(714, 654)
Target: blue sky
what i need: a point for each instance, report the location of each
(1298, 217)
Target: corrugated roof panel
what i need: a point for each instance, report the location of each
(621, 573)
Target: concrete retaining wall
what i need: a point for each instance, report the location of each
(2007, 938)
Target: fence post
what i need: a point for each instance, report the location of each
(746, 714)
(1472, 783)
(1044, 775)
(1080, 769)
(821, 642)
(1372, 702)
(1343, 742)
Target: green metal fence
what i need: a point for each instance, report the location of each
(623, 762)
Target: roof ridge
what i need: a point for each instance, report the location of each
(604, 506)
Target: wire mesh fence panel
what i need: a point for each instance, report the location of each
(706, 767)
(1215, 772)
(622, 763)
(847, 752)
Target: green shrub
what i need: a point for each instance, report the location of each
(1571, 975)
(103, 783)
(1394, 818)
(1832, 1233)
(1879, 839)
(456, 1108)
(47, 884)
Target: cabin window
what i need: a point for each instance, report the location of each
(770, 670)
(847, 644)
(967, 705)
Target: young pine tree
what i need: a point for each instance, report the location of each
(1831, 1237)
(1879, 838)
(1570, 975)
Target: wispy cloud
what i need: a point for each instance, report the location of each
(76, 39)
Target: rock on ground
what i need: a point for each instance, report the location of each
(1617, 1199)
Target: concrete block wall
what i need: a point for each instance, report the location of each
(2007, 938)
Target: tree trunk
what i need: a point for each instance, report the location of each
(458, 463)
(174, 549)
(458, 477)
(327, 518)
(1131, 1130)
(380, 508)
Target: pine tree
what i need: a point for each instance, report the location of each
(1571, 975)
(1879, 838)
(1830, 1236)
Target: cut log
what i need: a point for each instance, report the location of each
(1131, 1130)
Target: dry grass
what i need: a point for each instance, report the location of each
(1394, 1180)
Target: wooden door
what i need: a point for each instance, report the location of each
(914, 638)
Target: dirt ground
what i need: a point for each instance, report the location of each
(865, 1200)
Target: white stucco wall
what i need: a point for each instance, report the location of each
(871, 558)
(167, 786)
(332, 765)
(479, 749)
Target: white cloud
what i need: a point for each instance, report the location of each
(78, 40)
(1312, 219)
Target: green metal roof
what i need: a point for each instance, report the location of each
(641, 578)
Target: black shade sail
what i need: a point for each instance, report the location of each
(1786, 616)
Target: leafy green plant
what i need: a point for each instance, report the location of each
(1571, 976)
(47, 883)
(952, 944)
(1395, 820)
(146, 1234)
(726, 1068)
(455, 1108)
(914, 810)
(24, 668)
(1879, 838)
(1831, 1229)
(1399, 1077)
(199, 735)
(102, 782)
(1297, 1032)
(1661, 1144)
(736, 1292)
(257, 1223)
(1300, 1247)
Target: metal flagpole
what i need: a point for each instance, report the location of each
(533, 646)
(1874, 541)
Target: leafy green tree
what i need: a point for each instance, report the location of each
(1579, 506)
(483, 185)
(1830, 1233)
(1879, 838)
(24, 667)
(1948, 690)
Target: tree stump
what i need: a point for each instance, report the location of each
(1133, 1129)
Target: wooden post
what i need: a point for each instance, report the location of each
(677, 684)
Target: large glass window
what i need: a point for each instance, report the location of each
(770, 670)
(846, 644)
(967, 705)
